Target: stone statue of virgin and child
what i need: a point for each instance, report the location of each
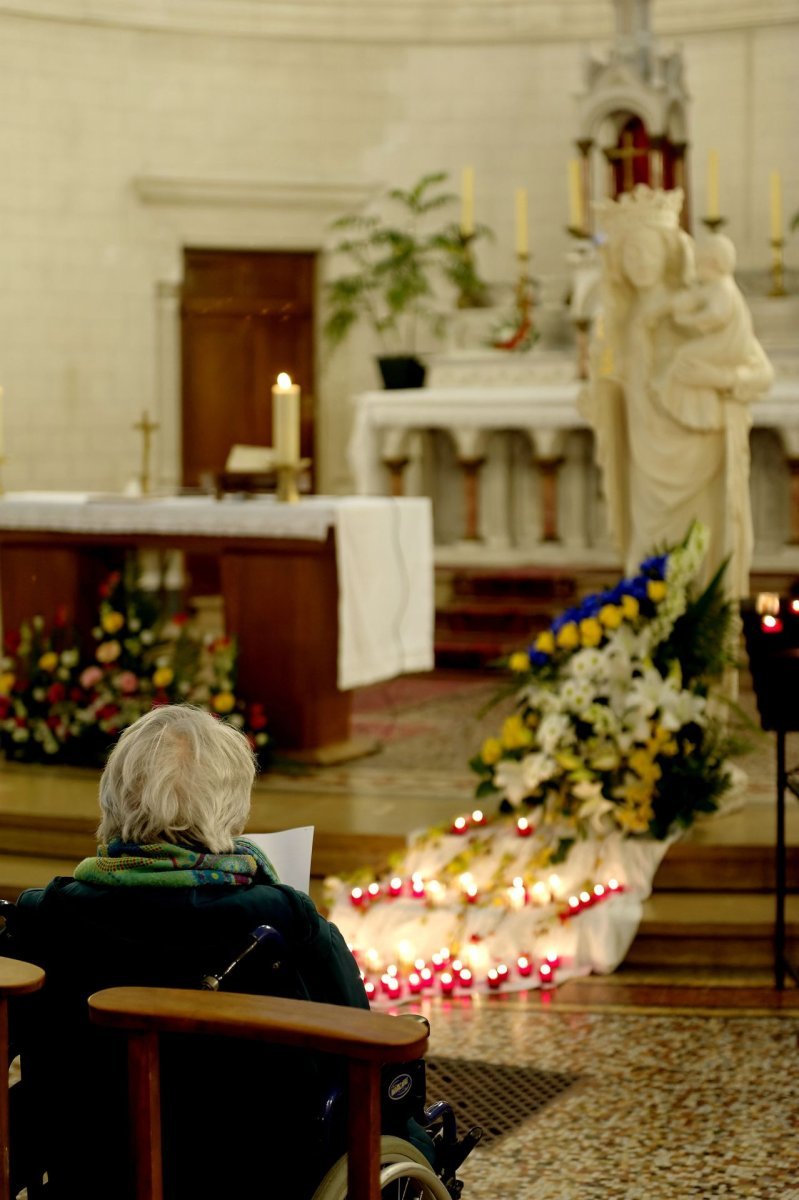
(675, 367)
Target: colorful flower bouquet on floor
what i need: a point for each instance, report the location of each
(61, 702)
(613, 749)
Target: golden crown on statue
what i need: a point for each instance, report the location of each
(643, 206)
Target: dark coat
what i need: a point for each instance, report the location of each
(223, 1101)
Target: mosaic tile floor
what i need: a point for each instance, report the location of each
(664, 1108)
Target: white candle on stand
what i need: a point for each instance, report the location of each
(713, 184)
(2, 430)
(775, 183)
(286, 420)
(467, 202)
(576, 219)
(522, 235)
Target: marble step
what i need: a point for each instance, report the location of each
(712, 930)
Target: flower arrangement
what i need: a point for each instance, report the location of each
(614, 729)
(613, 748)
(59, 703)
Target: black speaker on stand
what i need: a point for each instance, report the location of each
(771, 633)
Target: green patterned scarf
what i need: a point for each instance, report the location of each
(161, 864)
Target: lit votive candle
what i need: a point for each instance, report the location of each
(447, 983)
(523, 965)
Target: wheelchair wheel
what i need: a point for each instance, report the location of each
(405, 1174)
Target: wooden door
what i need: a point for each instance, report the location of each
(246, 316)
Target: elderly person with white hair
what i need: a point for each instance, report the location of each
(171, 896)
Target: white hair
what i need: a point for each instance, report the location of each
(178, 775)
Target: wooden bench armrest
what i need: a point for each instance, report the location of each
(329, 1028)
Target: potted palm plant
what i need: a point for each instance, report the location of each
(390, 278)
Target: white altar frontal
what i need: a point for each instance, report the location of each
(323, 596)
(499, 444)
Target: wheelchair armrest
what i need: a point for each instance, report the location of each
(365, 1039)
(18, 977)
(328, 1028)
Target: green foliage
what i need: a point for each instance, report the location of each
(395, 266)
(701, 640)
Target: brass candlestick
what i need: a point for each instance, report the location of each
(714, 224)
(777, 268)
(471, 292)
(288, 474)
(524, 299)
(146, 427)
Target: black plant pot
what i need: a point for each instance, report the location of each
(401, 371)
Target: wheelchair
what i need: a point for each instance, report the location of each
(406, 1171)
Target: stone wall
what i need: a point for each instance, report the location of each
(131, 131)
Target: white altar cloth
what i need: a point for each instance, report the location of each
(384, 551)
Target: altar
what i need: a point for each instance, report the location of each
(509, 465)
(322, 596)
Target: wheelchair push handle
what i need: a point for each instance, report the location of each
(262, 935)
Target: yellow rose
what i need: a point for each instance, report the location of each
(630, 607)
(108, 652)
(7, 681)
(163, 676)
(519, 661)
(112, 621)
(545, 642)
(590, 631)
(656, 590)
(223, 702)
(49, 661)
(611, 616)
(491, 751)
(515, 734)
(568, 636)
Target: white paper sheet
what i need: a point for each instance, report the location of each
(289, 852)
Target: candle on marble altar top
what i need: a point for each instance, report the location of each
(467, 202)
(522, 228)
(576, 216)
(775, 189)
(286, 420)
(712, 185)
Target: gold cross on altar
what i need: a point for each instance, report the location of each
(626, 155)
(146, 427)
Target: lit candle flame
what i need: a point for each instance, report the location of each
(284, 380)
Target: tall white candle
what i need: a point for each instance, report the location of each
(522, 231)
(713, 184)
(286, 420)
(2, 430)
(576, 218)
(467, 202)
(775, 186)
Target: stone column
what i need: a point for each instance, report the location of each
(548, 448)
(470, 447)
